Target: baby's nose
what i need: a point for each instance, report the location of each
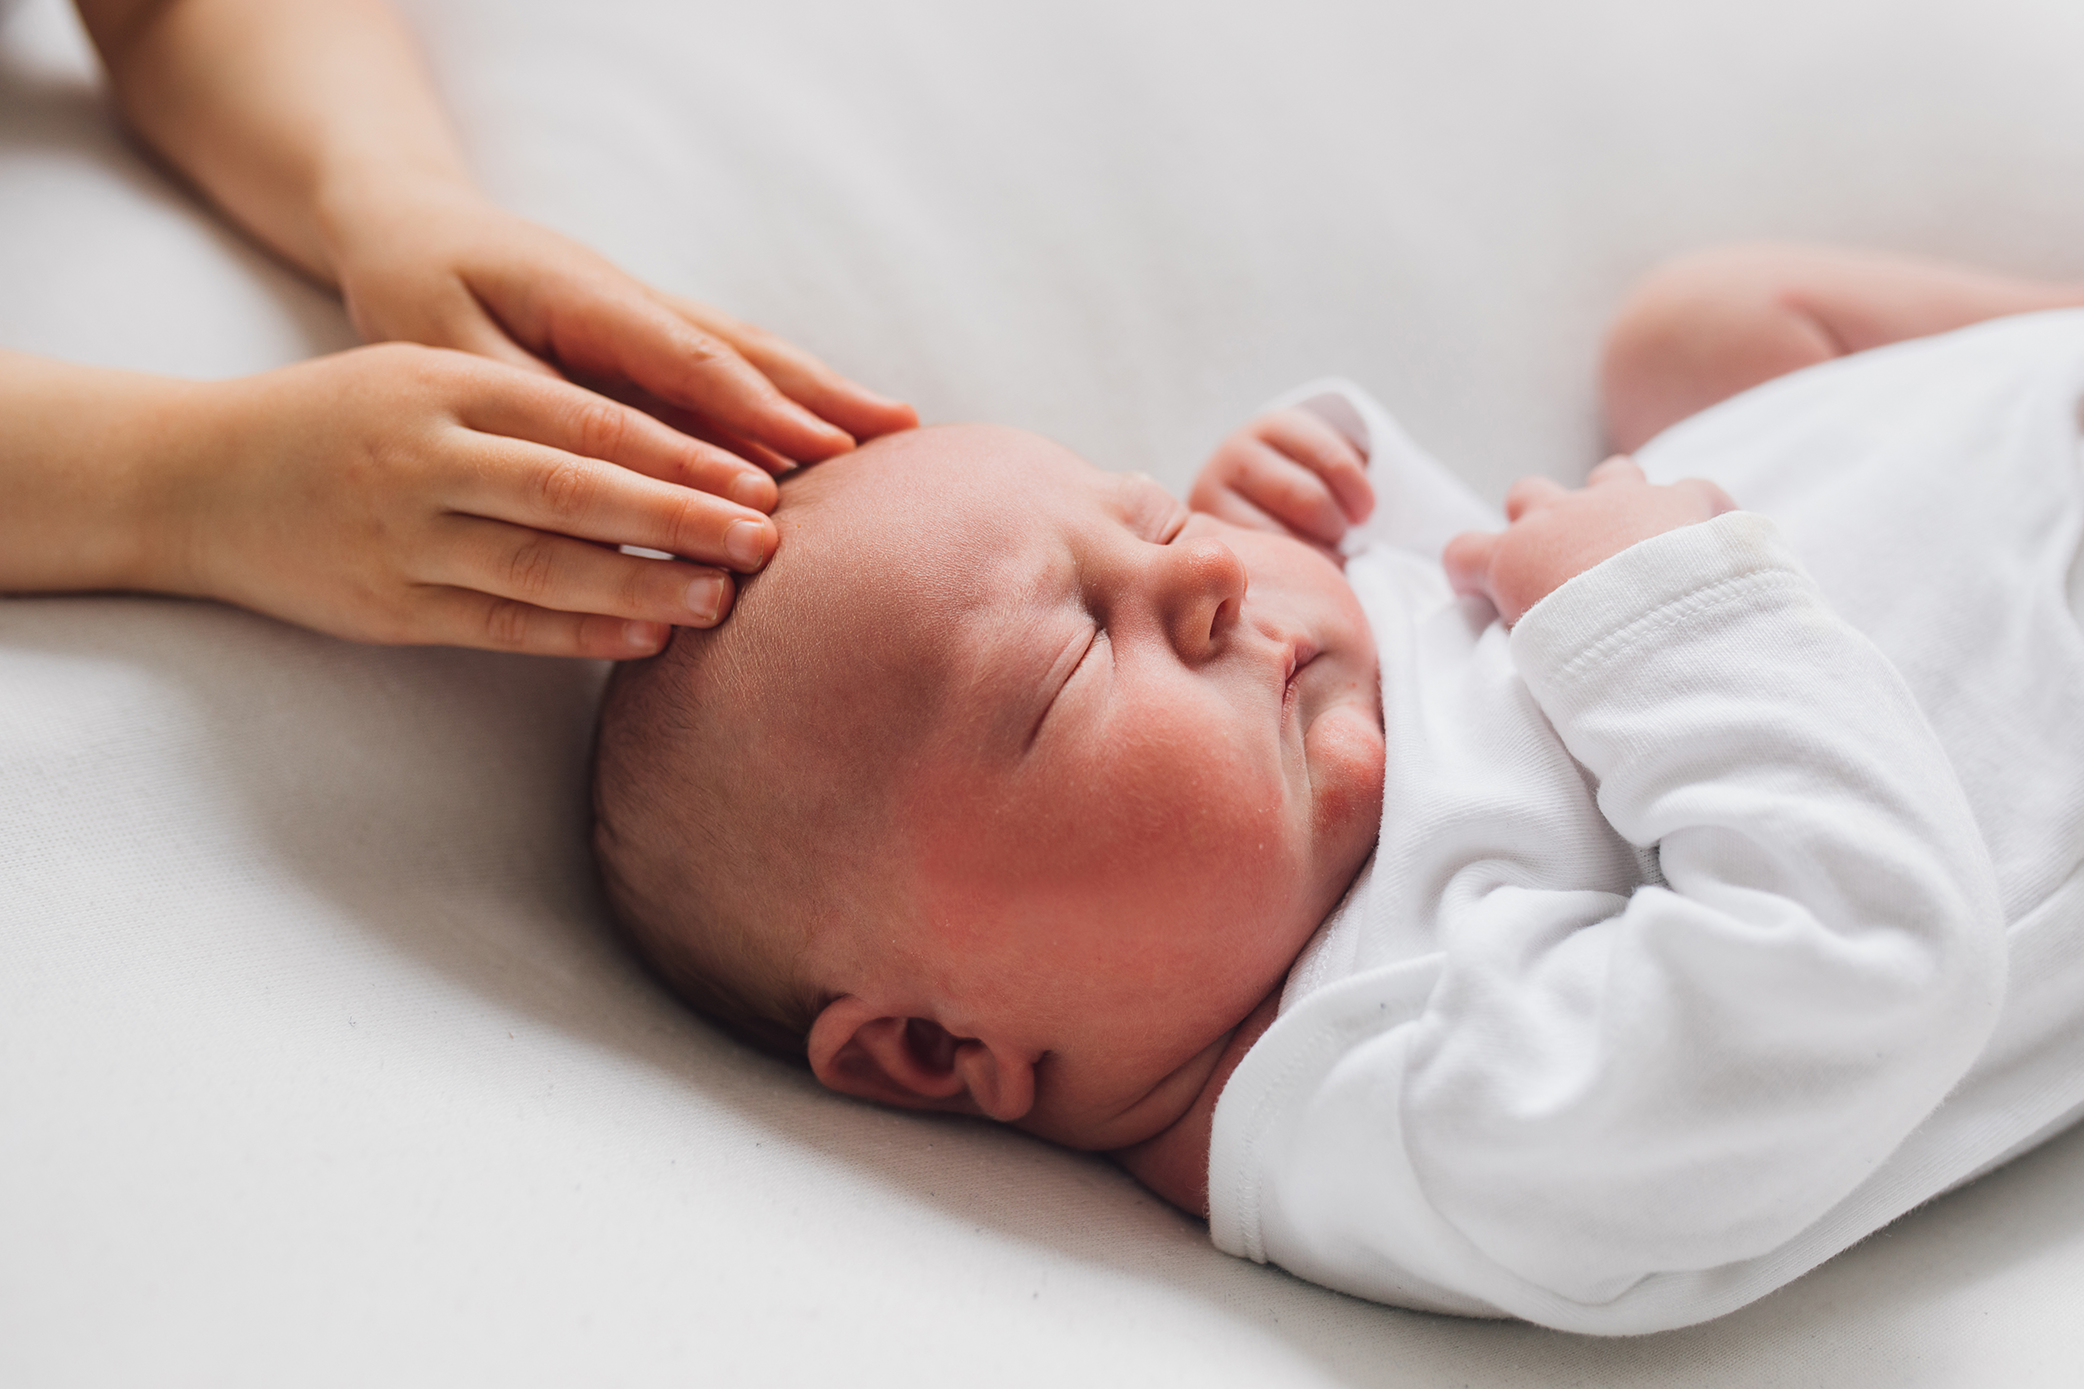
(1203, 584)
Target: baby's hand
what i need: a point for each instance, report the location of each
(436, 264)
(408, 494)
(1287, 472)
(1557, 533)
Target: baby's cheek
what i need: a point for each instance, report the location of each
(1345, 752)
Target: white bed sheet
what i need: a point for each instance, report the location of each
(315, 1066)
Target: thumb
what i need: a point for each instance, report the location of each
(1467, 560)
(1618, 468)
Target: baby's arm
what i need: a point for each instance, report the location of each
(312, 123)
(1602, 1084)
(1289, 472)
(1711, 324)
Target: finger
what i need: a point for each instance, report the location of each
(1311, 441)
(461, 617)
(1286, 490)
(695, 427)
(478, 335)
(1532, 494)
(1619, 468)
(568, 418)
(800, 376)
(553, 571)
(1710, 497)
(611, 333)
(1226, 505)
(563, 493)
(455, 320)
(1467, 560)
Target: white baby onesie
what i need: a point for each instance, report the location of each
(1682, 961)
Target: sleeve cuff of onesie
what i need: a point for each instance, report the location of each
(1665, 572)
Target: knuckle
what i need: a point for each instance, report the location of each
(531, 569)
(506, 624)
(636, 581)
(566, 488)
(706, 349)
(687, 522)
(598, 428)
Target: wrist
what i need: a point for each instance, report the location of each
(364, 209)
(96, 474)
(183, 443)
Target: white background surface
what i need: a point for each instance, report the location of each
(315, 1066)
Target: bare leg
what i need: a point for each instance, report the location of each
(1708, 325)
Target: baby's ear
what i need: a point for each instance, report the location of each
(915, 1063)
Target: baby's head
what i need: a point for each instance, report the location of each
(1008, 788)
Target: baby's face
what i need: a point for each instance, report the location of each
(1157, 767)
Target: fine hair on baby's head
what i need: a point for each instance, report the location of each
(742, 784)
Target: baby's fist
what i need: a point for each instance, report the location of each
(1557, 533)
(1288, 472)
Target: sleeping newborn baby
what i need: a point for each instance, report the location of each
(1602, 927)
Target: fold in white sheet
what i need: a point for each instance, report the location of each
(1681, 963)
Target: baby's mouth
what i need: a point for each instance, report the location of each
(1299, 656)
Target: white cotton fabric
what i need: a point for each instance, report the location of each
(1696, 895)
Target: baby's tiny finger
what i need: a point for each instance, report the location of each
(1289, 491)
(1618, 468)
(1467, 560)
(1226, 505)
(1711, 497)
(1310, 440)
(1532, 493)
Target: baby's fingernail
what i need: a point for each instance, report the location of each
(746, 543)
(705, 598)
(755, 490)
(644, 636)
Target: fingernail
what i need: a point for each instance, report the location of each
(755, 490)
(705, 598)
(644, 636)
(746, 543)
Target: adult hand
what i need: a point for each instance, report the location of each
(1556, 533)
(1287, 472)
(413, 495)
(429, 260)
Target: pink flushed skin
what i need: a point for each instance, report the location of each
(1161, 770)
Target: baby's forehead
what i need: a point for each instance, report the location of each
(944, 509)
(942, 554)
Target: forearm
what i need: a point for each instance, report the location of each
(93, 473)
(293, 115)
(1710, 1068)
(1712, 324)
